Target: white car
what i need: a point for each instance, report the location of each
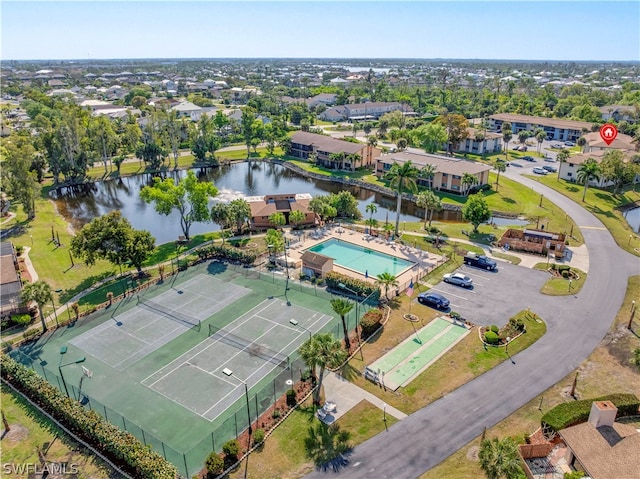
(458, 279)
(539, 171)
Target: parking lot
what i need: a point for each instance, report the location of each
(495, 295)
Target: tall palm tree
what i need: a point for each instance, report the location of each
(499, 458)
(431, 203)
(40, 292)
(507, 134)
(541, 135)
(428, 172)
(296, 217)
(371, 208)
(401, 177)
(387, 280)
(468, 180)
(277, 219)
(342, 307)
(322, 351)
(588, 171)
(500, 166)
(562, 156)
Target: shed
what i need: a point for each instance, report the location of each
(315, 264)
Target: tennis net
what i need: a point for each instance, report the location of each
(254, 349)
(158, 308)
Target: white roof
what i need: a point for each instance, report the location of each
(186, 106)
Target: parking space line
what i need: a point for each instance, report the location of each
(449, 293)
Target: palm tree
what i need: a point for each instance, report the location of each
(522, 136)
(221, 215)
(337, 159)
(296, 217)
(500, 166)
(499, 458)
(39, 292)
(541, 135)
(322, 351)
(562, 157)
(588, 171)
(507, 134)
(431, 203)
(468, 180)
(401, 177)
(277, 219)
(428, 172)
(342, 307)
(387, 280)
(371, 208)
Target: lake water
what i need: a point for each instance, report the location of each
(633, 218)
(242, 179)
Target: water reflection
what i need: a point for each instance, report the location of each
(251, 179)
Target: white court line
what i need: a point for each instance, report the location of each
(151, 346)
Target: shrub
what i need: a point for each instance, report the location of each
(276, 414)
(494, 328)
(231, 448)
(21, 319)
(370, 322)
(363, 288)
(291, 397)
(491, 337)
(226, 252)
(258, 436)
(574, 412)
(214, 465)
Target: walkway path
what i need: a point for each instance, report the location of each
(29, 265)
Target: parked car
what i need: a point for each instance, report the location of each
(539, 171)
(458, 279)
(517, 165)
(480, 261)
(550, 168)
(549, 160)
(529, 158)
(434, 300)
(569, 143)
(557, 145)
(516, 148)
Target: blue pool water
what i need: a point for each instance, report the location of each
(360, 259)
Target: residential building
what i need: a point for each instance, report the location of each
(595, 142)
(480, 142)
(363, 111)
(327, 99)
(601, 447)
(335, 113)
(568, 170)
(188, 109)
(628, 113)
(449, 171)
(10, 282)
(323, 147)
(264, 206)
(556, 129)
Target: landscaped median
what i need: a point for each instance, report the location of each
(564, 280)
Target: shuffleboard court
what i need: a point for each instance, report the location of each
(400, 365)
(154, 321)
(249, 348)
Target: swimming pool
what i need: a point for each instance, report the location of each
(361, 259)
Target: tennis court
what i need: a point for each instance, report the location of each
(156, 320)
(210, 377)
(416, 353)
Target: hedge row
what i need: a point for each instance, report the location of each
(123, 447)
(364, 288)
(575, 412)
(226, 252)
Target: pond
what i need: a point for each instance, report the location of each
(633, 218)
(242, 179)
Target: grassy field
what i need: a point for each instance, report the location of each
(557, 286)
(604, 205)
(32, 432)
(284, 455)
(607, 370)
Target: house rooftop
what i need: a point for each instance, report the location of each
(443, 164)
(540, 120)
(326, 143)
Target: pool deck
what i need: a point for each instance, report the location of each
(423, 260)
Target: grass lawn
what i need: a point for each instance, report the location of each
(557, 286)
(284, 454)
(607, 370)
(31, 432)
(604, 205)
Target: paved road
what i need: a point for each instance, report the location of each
(576, 325)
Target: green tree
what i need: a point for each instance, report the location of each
(221, 215)
(188, 197)
(345, 204)
(540, 136)
(277, 219)
(240, 212)
(41, 293)
(523, 136)
(500, 166)
(386, 280)
(214, 465)
(401, 177)
(428, 172)
(431, 203)
(18, 181)
(457, 129)
(274, 240)
(322, 351)
(296, 217)
(103, 139)
(139, 248)
(476, 211)
(468, 180)
(588, 171)
(248, 117)
(431, 137)
(562, 157)
(507, 134)
(401, 144)
(614, 169)
(499, 458)
(342, 307)
(371, 208)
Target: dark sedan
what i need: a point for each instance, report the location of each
(434, 300)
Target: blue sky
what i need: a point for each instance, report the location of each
(560, 30)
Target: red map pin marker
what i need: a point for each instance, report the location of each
(608, 133)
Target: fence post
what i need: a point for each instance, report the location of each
(164, 453)
(186, 469)
(144, 439)
(105, 412)
(213, 443)
(124, 423)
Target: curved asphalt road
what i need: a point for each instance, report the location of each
(576, 325)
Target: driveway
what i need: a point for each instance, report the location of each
(495, 296)
(575, 326)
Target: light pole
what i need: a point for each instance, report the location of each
(295, 323)
(384, 415)
(63, 350)
(228, 372)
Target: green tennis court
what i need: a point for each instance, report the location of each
(400, 365)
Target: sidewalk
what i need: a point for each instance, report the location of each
(347, 395)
